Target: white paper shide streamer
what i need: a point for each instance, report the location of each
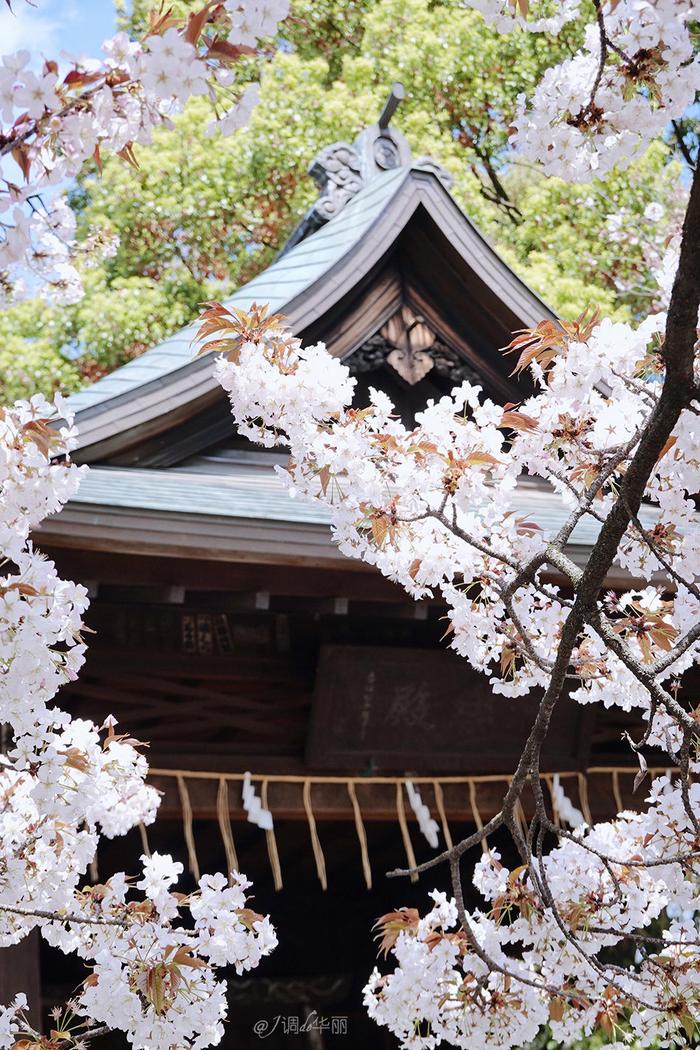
(254, 807)
(427, 825)
(565, 807)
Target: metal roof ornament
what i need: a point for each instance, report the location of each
(341, 170)
(380, 147)
(336, 172)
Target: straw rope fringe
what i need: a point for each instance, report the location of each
(144, 840)
(223, 814)
(361, 834)
(271, 843)
(223, 811)
(440, 806)
(549, 781)
(520, 818)
(616, 791)
(477, 816)
(583, 799)
(187, 824)
(93, 869)
(405, 835)
(315, 841)
(477, 778)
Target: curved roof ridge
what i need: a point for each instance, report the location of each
(167, 384)
(291, 272)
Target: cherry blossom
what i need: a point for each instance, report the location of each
(251, 20)
(558, 987)
(55, 123)
(636, 71)
(64, 782)
(505, 16)
(603, 106)
(35, 93)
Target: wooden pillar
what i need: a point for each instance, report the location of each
(19, 972)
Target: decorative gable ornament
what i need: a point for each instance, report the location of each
(411, 339)
(412, 348)
(341, 170)
(337, 173)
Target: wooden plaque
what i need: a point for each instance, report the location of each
(425, 710)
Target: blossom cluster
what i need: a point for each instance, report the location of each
(585, 118)
(64, 782)
(56, 122)
(443, 991)
(251, 20)
(152, 980)
(432, 506)
(538, 17)
(636, 71)
(46, 235)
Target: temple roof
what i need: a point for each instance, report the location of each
(237, 509)
(306, 283)
(280, 285)
(385, 241)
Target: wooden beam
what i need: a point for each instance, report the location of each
(350, 579)
(257, 600)
(97, 563)
(250, 667)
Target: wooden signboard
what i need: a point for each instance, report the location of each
(425, 710)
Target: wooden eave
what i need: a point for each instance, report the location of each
(232, 519)
(201, 537)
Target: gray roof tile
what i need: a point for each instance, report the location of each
(257, 493)
(285, 279)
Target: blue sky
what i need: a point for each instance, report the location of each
(52, 26)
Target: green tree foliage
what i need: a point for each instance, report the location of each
(201, 215)
(32, 338)
(595, 244)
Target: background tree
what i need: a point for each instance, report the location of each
(194, 222)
